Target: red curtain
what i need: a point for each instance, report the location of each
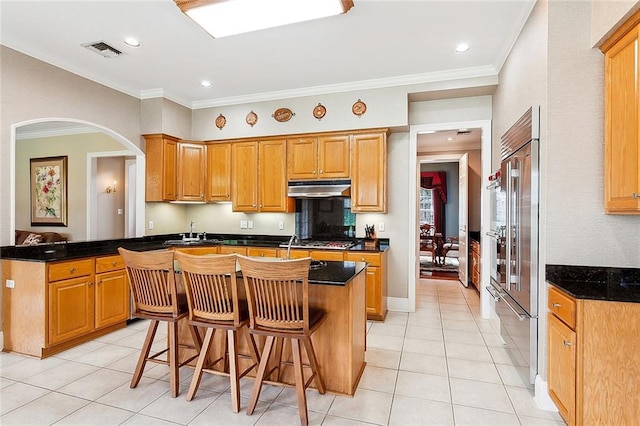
(438, 182)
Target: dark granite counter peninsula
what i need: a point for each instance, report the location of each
(596, 283)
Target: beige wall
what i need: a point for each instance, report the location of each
(76, 148)
(33, 90)
(605, 16)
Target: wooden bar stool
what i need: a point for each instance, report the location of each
(278, 296)
(212, 296)
(156, 297)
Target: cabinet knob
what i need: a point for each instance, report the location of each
(363, 259)
(566, 344)
(635, 195)
(99, 282)
(314, 172)
(72, 270)
(321, 171)
(114, 263)
(90, 284)
(556, 305)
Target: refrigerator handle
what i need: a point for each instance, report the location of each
(508, 234)
(515, 222)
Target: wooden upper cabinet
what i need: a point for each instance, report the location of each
(369, 172)
(219, 172)
(161, 167)
(622, 122)
(192, 166)
(244, 172)
(333, 157)
(272, 180)
(322, 157)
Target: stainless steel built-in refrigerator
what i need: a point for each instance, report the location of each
(514, 268)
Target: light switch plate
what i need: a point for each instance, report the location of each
(381, 227)
(11, 284)
(281, 225)
(243, 224)
(250, 224)
(150, 224)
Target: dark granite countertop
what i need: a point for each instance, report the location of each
(336, 273)
(596, 283)
(75, 250)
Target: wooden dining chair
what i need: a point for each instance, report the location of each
(156, 298)
(212, 296)
(278, 296)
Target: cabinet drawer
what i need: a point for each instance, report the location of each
(327, 255)
(563, 306)
(71, 269)
(233, 249)
(262, 252)
(109, 263)
(373, 259)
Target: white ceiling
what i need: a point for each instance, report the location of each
(376, 44)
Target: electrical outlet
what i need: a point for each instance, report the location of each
(243, 224)
(281, 225)
(120, 211)
(381, 226)
(150, 224)
(250, 224)
(11, 284)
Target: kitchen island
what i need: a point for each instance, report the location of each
(66, 294)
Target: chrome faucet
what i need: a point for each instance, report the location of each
(191, 229)
(291, 241)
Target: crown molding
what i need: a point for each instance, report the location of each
(76, 130)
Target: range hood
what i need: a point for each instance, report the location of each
(319, 189)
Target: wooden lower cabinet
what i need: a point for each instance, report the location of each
(376, 282)
(112, 294)
(593, 370)
(55, 306)
(70, 308)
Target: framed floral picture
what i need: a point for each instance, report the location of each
(49, 191)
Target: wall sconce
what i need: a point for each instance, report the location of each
(109, 189)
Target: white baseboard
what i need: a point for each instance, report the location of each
(542, 398)
(398, 304)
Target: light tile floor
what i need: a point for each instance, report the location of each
(441, 365)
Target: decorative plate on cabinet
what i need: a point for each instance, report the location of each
(359, 108)
(282, 114)
(221, 121)
(252, 118)
(319, 111)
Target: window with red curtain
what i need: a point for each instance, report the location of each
(438, 182)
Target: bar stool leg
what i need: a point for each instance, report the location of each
(202, 359)
(257, 384)
(233, 370)
(144, 353)
(173, 359)
(313, 362)
(300, 392)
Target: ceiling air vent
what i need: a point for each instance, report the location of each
(102, 48)
(463, 132)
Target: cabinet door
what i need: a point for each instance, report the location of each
(369, 173)
(562, 367)
(373, 292)
(273, 176)
(70, 308)
(192, 169)
(302, 158)
(219, 172)
(244, 172)
(161, 152)
(333, 157)
(622, 153)
(111, 298)
(170, 170)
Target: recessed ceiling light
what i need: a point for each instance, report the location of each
(132, 42)
(450, 139)
(205, 83)
(462, 47)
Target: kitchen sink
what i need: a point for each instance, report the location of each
(190, 242)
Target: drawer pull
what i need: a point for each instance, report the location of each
(566, 343)
(556, 305)
(363, 259)
(72, 270)
(114, 263)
